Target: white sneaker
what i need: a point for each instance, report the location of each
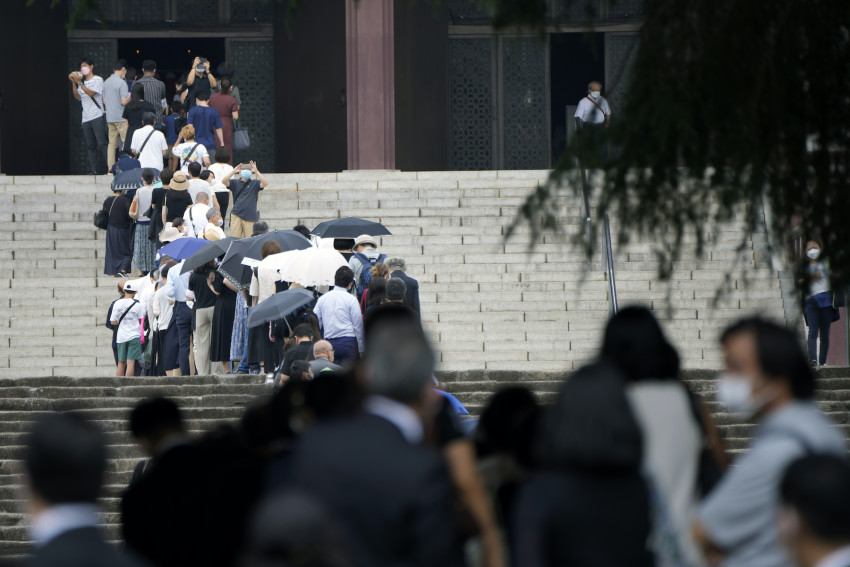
(269, 378)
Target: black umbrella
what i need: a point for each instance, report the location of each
(232, 267)
(207, 254)
(350, 227)
(279, 306)
(131, 179)
(288, 240)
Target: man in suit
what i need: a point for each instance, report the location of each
(814, 514)
(160, 512)
(397, 268)
(65, 462)
(391, 494)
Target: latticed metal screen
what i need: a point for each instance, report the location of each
(253, 61)
(251, 10)
(625, 8)
(620, 50)
(471, 102)
(104, 54)
(525, 96)
(142, 11)
(197, 11)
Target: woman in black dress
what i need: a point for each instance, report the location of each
(177, 199)
(133, 112)
(222, 324)
(157, 204)
(119, 235)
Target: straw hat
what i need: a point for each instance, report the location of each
(364, 239)
(169, 234)
(179, 182)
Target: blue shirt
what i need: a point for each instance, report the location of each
(178, 284)
(205, 120)
(339, 316)
(171, 133)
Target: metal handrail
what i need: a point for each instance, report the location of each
(614, 306)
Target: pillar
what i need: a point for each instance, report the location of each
(370, 83)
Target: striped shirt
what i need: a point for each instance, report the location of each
(92, 108)
(154, 94)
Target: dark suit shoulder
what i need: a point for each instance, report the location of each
(82, 547)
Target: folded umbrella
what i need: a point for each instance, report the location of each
(232, 268)
(131, 179)
(349, 227)
(278, 306)
(313, 267)
(182, 248)
(207, 254)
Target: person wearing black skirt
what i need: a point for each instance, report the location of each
(222, 323)
(119, 235)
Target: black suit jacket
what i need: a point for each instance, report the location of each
(83, 547)
(393, 499)
(411, 296)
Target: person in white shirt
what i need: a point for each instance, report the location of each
(814, 514)
(593, 108)
(198, 185)
(88, 89)
(196, 216)
(222, 194)
(340, 318)
(187, 150)
(165, 330)
(212, 231)
(127, 314)
(148, 144)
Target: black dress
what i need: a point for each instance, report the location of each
(119, 236)
(222, 324)
(177, 202)
(155, 227)
(134, 120)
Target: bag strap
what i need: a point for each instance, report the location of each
(593, 102)
(195, 147)
(135, 301)
(145, 143)
(115, 198)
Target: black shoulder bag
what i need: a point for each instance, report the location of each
(101, 218)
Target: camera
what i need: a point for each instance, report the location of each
(201, 68)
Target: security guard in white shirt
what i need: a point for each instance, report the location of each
(593, 109)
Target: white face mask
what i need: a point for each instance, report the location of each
(814, 253)
(594, 94)
(220, 222)
(735, 393)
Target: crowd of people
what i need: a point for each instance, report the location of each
(141, 117)
(370, 465)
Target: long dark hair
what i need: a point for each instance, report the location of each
(137, 96)
(226, 86)
(635, 343)
(591, 427)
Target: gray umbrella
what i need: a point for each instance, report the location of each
(279, 306)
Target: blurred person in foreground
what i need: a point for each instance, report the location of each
(391, 495)
(590, 504)
(769, 381)
(65, 460)
(676, 427)
(814, 519)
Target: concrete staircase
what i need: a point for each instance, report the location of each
(489, 305)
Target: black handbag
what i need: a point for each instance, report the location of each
(101, 218)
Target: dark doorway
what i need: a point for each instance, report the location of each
(576, 59)
(173, 56)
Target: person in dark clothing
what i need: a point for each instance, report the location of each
(133, 112)
(303, 349)
(65, 461)
(204, 310)
(119, 235)
(177, 199)
(397, 267)
(591, 491)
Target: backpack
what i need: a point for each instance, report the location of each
(366, 272)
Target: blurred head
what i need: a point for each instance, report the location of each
(765, 368)
(155, 420)
(343, 277)
(303, 230)
(378, 284)
(300, 370)
(222, 154)
(148, 176)
(194, 170)
(291, 529)
(260, 227)
(226, 86)
(165, 175)
(149, 66)
(64, 460)
(148, 118)
(208, 176)
(396, 264)
(814, 517)
(323, 349)
(591, 426)
(203, 96)
(396, 289)
(635, 342)
(399, 361)
(303, 332)
(814, 249)
(509, 424)
(188, 133)
(214, 215)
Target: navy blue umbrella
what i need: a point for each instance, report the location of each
(349, 227)
(279, 306)
(131, 179)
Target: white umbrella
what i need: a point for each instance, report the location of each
(277, 261)
(313, 267)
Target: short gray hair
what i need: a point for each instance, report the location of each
(397, 264)
(212, 212)
(400, 359)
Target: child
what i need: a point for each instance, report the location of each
(126, 315)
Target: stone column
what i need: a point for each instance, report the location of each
(370, 80)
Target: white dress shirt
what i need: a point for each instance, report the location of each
(339, 316)
(400, 415)
(196, 219)
(588, 112)
(57, 520)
